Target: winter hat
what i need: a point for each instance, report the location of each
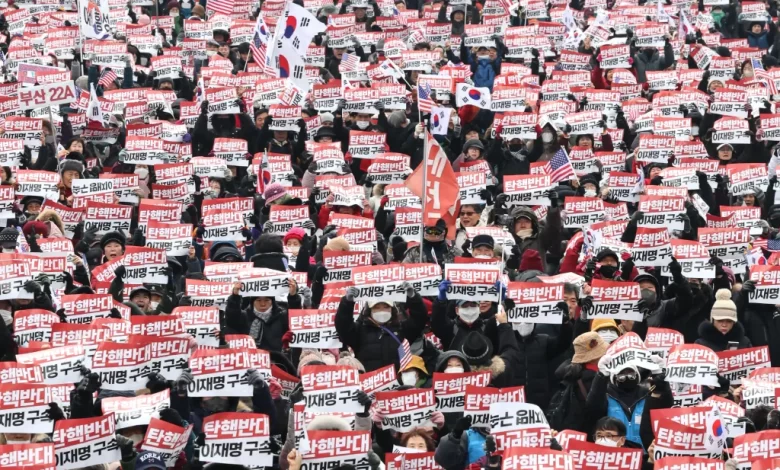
(531, 261)
(416, 363)
(607, 253)
(347, 359)
(71, 165)
(483, 240)
(725, 145)
(37, 227)
(723, 308)
(326, 117)
(113, 237)
(588, 347)
(309, 357)
(171, 5)
(477, 349)
(602, 323)
(476, 143)
(328, 423)
(337, 244)
(296, 233)
(268, 243)
(147, 460)
(273, 192)
(220, 251)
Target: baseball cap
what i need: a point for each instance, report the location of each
(147, 460)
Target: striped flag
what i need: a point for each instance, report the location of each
(559, 167)
(260, 38)
(760, 74)
(108, 76)
(424, 101)
(349, 62)
(404, 354)
(221, 6)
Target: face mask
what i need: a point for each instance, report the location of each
(263, 315)
(605, 441)
(590, 193)
(211, 53)
(483, 257)
(381, 316)
(453, 370)
(409, 378)
(50, 139)
(627, 382)
(6, 316)
(153, 305)
(362, 124)
(214, 405)
(525, 329)
(175, 14)
(649, 297)
(608, 271)
(142, 173)
(649, 53)
(13, 441)
(695, 130)
(608, 335)
(525, 233)
(483, 57)
(468, 314)
(144, 61)
(547, 137)
(9, 250)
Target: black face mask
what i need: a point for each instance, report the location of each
(649, 297)
(608, 271)
(515, 147)
(649, 53)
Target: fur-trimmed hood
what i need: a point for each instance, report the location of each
(50, 215)
(497, 367)
(710, 334)
(328, 423)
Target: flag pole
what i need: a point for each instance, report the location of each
(424, 191)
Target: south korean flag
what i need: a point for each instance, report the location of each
(479, 97)
(440, 120)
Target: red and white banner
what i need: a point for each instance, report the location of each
(379, 380)
(340, 264)
(756, 446)
(30, 456)
(676, 439)
(477, 401)
(692, 364)
(652, 247)
(690, 463)
(472, 282)
(313, 329)
(767, 280)
(737, 364)
(33, 325)
(333, 448)
(331, 388)
(220, 373)
(660, 340)
(405, 410)
(590, 456)
(136, 411)
(521, 458)
(200, 323)
(582, 212)
(263, 282)
(238, 439)
(616, 300)
(166, 439)
(380, 282)
(23, 406)
(60, 365)
(84, 442)
(519, 425)
(451, 388)
(535, 303)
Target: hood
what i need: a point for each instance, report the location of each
(328, 423)
(219, 250)
(459, 8)
(50, 215)
(523, 211)
(441, 364)
(276, 261)
(651, 278)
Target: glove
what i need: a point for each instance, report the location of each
(156, 382)
(204, 107)
(275, 388)
(675, 268)
(443, 286)
(379, 106)
(419, 131)
(564, 308)
(120, 272)
(590, 268)
(749, 286)
(54, 412)
(254, 378)
(364, 399)
(61, 314)
(352, 292)
(586, 304)
(308, 224)
(89, 236)
(184, 380)
(286, 338)
(501, 199)
(626, 268)
(200, 441)
(686, 222)
(126, 447)
(90, 382)
(268, 226)
(553, 195)
(33, 287)
(409, 289)
(463, 424)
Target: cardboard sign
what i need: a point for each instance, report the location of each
(629, 351)
(237, 438)
(756, 446)
(520, 458)
(535, 303)
(518, 425)
(166, 439)
(340, 264)
(136, 411)
(220, 373)
(451, 388)
(472, 282)
(33, 325)
(38, 456)
(738, 364)
(652, 247)
(694, 259)
(660, 340)
(284, 218)
(332, 448)
(616, 300)
(313, 329)
(405, 410)
(477, 401)
(675, 439)
(590, 456)
(85, 442)
(692, 364)
(331, 388)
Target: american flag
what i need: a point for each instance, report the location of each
(773, 244)
(404, 354)
(349, 62)
(259, 44)
(559, 167)
(221, 6)
(108, 76)
(762, 75)
(424, 101)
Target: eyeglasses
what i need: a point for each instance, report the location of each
(624, 377)
(606, 434)
(433, 231)
(467, 214)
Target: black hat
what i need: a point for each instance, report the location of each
(477, 349)
(325, 131)
(243, 48)
(483, 240)
(222, 250)
(140, 290)
(118, 237)
(607, 253)
(8, 238)
(29, 199)
(71, 165)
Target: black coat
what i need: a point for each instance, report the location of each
(373, 346)
(452, 331)
(762, 328)
(238, 321)
(715, 340)
(531, 369)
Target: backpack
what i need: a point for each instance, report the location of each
(566, 409)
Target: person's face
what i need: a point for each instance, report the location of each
(655, 171)
(472, 135)
(473, 153)
(590, 187)
(293, 243)
(224, 51)
(482, 251)
(212, 48)
(610, 74)
(724, 326)
(261, 304)
(433, 234)
(458, 16)
(716, 86)
(174, 12)
(725, 153)
(327, 124)
(493, 53)
(68, 177)
(612, 436)
(484, 306)
(401, 6)
(647, 285)
(260, 119)
(76, 147)
(468, 216)
(166, 86)
(571, 300)
(142, 300)
(416, 442)
(280, 136)
(586, 142)
(522, 224)
(112, 250)
(756, 29)
(34, 208)
(214, 185)
(17, 437)
(747, 72)
(338, 52)
(454, 361)
(344, 210)
(750, 199)
(325, 139)
(381, 307)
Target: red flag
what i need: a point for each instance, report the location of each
(441, 186)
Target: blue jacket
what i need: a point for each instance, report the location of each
(483, 71)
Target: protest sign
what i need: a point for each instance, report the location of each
(518, 425)
(405, 410)
(86, 441)
(136, 411)
(237, 438)
(535, 303)
(616, 300)
(220, 373)
(692, 364)
(331, 388)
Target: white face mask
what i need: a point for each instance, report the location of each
(695, 131)
(525, 329)
(590, 193)
(142, 173)
(175, 14)
(381, 316)
(605, 441)
(144, 61)
(453, 370)
(153, 305)
(468, 314)
(362, 124)
(483, 256)
(9, 250)
(7, 317)
(608, 335)
(211, 53)
(409, 378)
(12, 441)
(525, 233)
(547, 137)
(483, 57)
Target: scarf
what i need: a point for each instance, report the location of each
(256, 329)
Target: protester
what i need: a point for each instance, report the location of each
(388, 224)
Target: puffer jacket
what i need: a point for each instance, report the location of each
(269, 338)
(762, 328)
(532, 369)
(452, 331)
(542, 239)
(374, 347)
(715, 340)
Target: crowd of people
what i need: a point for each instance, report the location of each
(398, 234)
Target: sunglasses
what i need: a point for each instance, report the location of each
(625, 377)
(434, 231)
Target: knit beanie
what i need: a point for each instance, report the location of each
(723, 308)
